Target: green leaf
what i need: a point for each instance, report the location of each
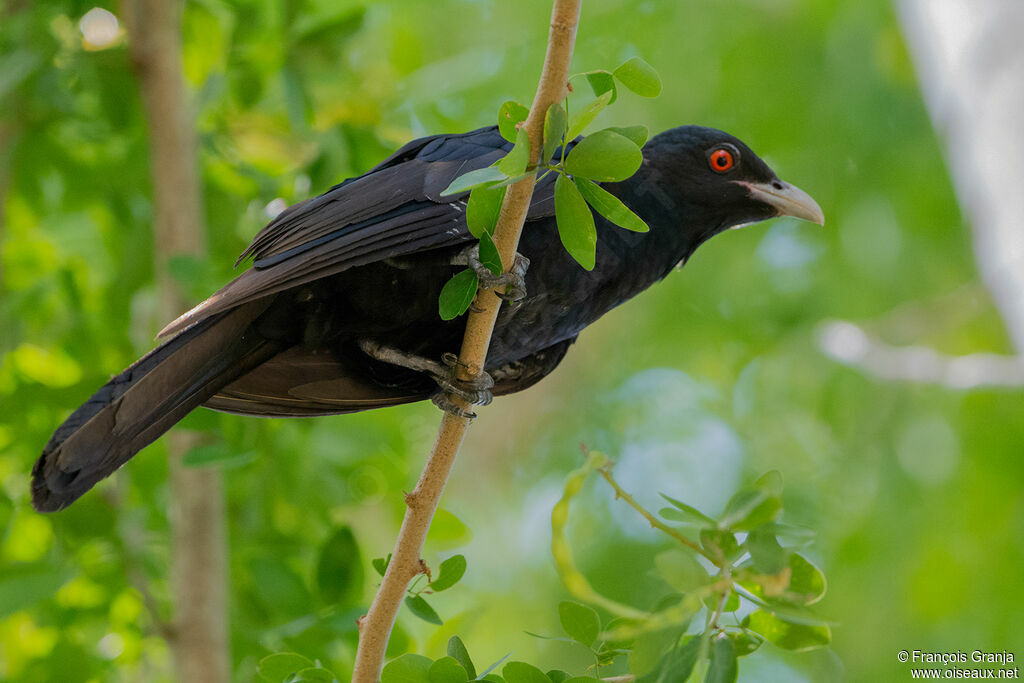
(489, 256)
(483, 208)
(521, 672)
(767, 555)
(447, 531)
(638, 134)
(449, 574)
(421, 608)
(448, 670)
(314, 674)
(480, 177)
(685, 513)
(457, 650)
(457, 294)
(408, 668)
(511, 115)
(516, 161)
(579, 122)
(339, 571)
(609, 206)
(579, 622)
(557, 676)
(604, 156)
(601, 82)
(792, 536)
(282, 666)
(732, 601)
(807, 583)
(554, 130)
(721, 542)
(647, 655)
(676, 665)
(639, 76)
(723, 667)
(575, 223)
(755, 506)
(745, 642)
(681, 570)
(788, 636)
(380, 564)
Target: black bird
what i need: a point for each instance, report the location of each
(339, 311)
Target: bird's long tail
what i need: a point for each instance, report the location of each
(138, 405)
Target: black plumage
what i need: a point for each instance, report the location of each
(367, 259)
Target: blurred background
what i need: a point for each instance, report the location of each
(871, 361)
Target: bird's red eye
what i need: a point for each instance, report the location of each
(721, 160)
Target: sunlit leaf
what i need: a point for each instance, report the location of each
(516, 161)
(483, 208)
(601, 82)
(421, 608)
(581, 120)
(510, 115)
(685, 513)
(723, 667)
(806, 582)
(449, 574)
(555, 124)
(639, 76)
(447, 670)
(579, 622)
(477, 178)
(604, 156)
(767, 555)
(457, 650)
(638, 134)
(408, 668)
(609, 206)
(490, 258)
(521, 672)
(681, 570)
(457, 294)
(788, 636)
(575, 223)
(282, 666)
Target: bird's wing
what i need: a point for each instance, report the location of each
(394, 210)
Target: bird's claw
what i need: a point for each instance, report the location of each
(476, 391)
(513, 281)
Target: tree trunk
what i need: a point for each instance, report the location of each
(200, 633)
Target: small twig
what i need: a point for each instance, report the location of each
(375, 628)
(654, 521)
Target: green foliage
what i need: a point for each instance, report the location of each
(609, 155)
(716, 365)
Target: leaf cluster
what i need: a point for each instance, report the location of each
(580, 163)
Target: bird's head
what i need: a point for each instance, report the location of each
(717, 182)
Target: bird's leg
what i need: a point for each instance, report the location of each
(514, 281)
(475, 391)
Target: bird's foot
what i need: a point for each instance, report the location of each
(476, 391)
(513, 281)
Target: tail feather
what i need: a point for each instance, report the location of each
(135, 407)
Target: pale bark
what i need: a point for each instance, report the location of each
(375, 628)
(199, 632)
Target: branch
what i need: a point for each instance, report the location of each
(199, 570)
(375, 627)
(851, 345)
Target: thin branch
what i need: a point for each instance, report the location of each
(851, 345)
(654, 521)
(375, 627)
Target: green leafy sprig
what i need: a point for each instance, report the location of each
(609, 155)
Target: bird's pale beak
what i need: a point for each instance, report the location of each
(788, 200)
